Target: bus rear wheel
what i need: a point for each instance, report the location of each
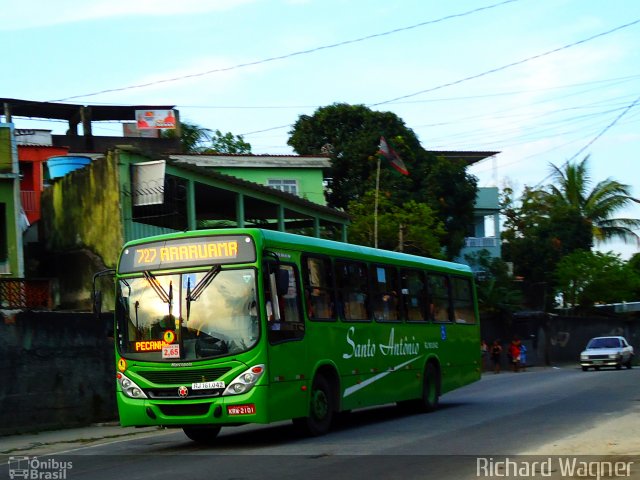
(428, 401)
(321, 409)
(204, 435)
(430, 389)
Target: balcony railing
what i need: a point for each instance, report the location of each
(29, 201)
(26, 293)
(481, 242)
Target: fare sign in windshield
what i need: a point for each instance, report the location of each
(186, 252)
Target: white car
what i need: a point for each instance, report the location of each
(607, 352)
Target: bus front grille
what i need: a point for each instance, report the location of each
(172, 393)
(184, 410)
(181, 377)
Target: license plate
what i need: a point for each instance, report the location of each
(207, 385)
(248, 409)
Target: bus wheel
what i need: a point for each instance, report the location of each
(430, 394)
(321, 409)
(205, 435)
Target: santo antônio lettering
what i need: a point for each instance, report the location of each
(393, 347)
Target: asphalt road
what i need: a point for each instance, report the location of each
(501, 416)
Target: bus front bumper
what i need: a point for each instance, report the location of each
(230, 410)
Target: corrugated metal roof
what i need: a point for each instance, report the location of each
(254, 161)
(290, 198)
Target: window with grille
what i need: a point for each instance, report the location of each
(288, 186)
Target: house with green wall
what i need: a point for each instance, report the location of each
(88, 214)
(301, 175)
(13, 221)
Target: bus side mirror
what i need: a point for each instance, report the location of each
(97, 294)
(97, 302)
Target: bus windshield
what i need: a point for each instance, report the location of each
(187, 316)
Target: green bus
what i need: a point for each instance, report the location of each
(226, 327)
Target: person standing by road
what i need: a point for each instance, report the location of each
(484, 354)
(514, 353)
(523, 357)
(496, 354)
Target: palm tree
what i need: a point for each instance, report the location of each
(193, 138)
(570, 193)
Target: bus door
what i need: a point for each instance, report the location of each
(285, 338)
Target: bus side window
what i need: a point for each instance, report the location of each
(413, 295)
(319, 296)
(353, 292)
(384, 295)
(462, 293)
(439, 297)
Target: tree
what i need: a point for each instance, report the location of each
(451, 192)
(534, 242)
(228, 143)
(197, 139)
(554, 221)
(411, 228)
(193, 138)
(350, 135)
(597, 207)
(497, 296)
(585, 278)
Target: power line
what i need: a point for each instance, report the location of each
(294, 54)
(511, 124)
(626, 110)
(594, 139)
(611, 81)
(497, 69)
(509, 65)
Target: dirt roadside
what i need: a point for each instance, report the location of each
(616, 435)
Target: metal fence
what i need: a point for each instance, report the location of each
(26, 293)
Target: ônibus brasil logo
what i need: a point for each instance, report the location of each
(36, 469)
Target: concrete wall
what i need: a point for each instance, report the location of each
(58, 370)
(555, 339)
(567, 336)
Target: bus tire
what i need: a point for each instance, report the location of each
(321, 409)
(204, 435)
(430, 389)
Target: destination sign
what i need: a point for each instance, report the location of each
(187, 252)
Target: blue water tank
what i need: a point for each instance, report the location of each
(60, 166)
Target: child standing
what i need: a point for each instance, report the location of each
(523, 357)
(514, 353)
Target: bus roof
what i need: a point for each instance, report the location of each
(302, 243)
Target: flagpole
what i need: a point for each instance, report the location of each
(375, 208)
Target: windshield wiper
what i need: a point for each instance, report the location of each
(193, 295)
(159, 289)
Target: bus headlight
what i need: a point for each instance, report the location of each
(129, 387)
(245, 381)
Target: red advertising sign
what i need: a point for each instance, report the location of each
(155, 119)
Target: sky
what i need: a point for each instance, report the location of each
(540, 81)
